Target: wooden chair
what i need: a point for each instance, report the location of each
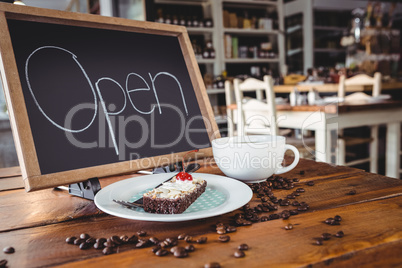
(258, 116)
(344, 141)
(255, 116)
(230, 110)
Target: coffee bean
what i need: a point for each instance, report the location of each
(326, 236)
(221, 231)
(181, 236)
(133, 239)
(180, 253)
(115, 239)
(293, 212)
(264, 218)
(318, 242)
(274, 216)
(161, 252)
(239, 254)
(70, 240)
(202, 240)
(212, 265)
(98, 245)
(231, 229)
(84, 236)
(188, 239)
(339, 234)
(189, 248)
(154, 240)
(338, 218)
(224, 238)
(101, 240)
(8, 250)
(124, 239)
(243, 247)
(289, 227)
(107, 251)
(351, 192)
(285, 214)
(109, 243)
(156, 248)
(295, 203)
(90, 241)
(310, 183)
(142, 243)
(141, 233)
(300, 190)
(84, 245)
(3, 263)
(295, 180)
(78, 241)
(173, 249)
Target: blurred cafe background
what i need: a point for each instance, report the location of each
(296, 53)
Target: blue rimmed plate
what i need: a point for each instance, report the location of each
(222, 195)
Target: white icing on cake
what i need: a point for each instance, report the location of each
(174, 188)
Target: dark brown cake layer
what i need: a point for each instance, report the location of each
(173, 206)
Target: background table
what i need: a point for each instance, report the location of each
(327, 119)
(36, 224)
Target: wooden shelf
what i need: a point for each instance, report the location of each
(250, 31)
(240, 60)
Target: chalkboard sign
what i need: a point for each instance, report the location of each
(91, 96)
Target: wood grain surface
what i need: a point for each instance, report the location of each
(36, 224)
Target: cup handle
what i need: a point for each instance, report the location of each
(295, 161)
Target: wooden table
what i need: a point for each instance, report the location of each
(333, 88)
(36, 224)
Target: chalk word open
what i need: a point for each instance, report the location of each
(126, 93)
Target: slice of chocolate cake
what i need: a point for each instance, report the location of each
(174, 196)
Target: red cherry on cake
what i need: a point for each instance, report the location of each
(183, 176)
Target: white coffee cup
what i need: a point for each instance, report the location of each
(252, 158)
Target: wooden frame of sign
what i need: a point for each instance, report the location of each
(36, 129)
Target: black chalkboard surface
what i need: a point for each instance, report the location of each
(96, 96)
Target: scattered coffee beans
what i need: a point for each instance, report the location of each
(90, 241)
(338, 218)
(212, 265)
(326, 236)
(334, 221)
(318, 242)
(224, 238)
(180, 252)
(239, 254)
(84, 236)
(98, 245)
(189, 248)
(84, 245)
(70, 240)
(161, 252)
(231, 229)
(3, 264)
(141, 233)
(78, 241)
(107, 251)
(243, 247)
(181, 236)
(202, 240)
(188, 239)
(339, 234)
(289, 227)
(310, 183)
(8, 250)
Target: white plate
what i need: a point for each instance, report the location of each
(222, 195)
